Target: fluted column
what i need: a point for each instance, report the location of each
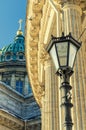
(48, 96)
(50, 105)
(71, 19)
(72, 23)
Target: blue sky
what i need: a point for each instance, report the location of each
(10, 13)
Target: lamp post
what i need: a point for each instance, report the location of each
(63, 52)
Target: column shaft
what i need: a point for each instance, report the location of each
(50, 109)
(13, 81)
(72, 23)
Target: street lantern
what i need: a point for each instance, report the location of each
(63, 52)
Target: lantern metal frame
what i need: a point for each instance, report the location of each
(69, 40)
(65, 72)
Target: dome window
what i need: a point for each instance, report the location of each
(19, 41)
(8, 57)
(21, 48)
(21, 57)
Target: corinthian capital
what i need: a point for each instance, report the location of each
(81, 3)
(62, 2)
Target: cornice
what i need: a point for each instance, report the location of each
(68, 1)
(10, 121)
(72, 6)
(33, 49)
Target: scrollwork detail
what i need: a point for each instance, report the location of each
(34, 31)
(43, 53)
(36, 19)
(37, 7)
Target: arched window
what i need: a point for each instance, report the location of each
(19, 86)
(21, 56)
(8, 57)
(19, 41)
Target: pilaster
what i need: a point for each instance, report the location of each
(26, 85)
(13, 81)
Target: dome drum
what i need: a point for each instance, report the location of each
(13, 65)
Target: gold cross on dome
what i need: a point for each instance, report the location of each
(20, 24)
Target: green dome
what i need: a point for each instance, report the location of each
(15, 50)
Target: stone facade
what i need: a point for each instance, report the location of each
(46, 18)
(18, 108)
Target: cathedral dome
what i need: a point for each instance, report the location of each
(13, 65)
(15, 50)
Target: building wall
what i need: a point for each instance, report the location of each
(17, 111)
(56, 17)
(17, 104)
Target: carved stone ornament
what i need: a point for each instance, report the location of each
(82, 3)
(35, 51)
(9, 121)
(43, 54)
(32, 49)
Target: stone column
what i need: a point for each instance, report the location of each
(13, 81)
(72, 23)
(26, 85)
(71, 19)
(50, 105)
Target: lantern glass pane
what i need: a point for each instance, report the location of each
(62, 49)
(72, 54)
(54, 57)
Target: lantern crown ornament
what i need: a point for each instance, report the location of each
(63, 51)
